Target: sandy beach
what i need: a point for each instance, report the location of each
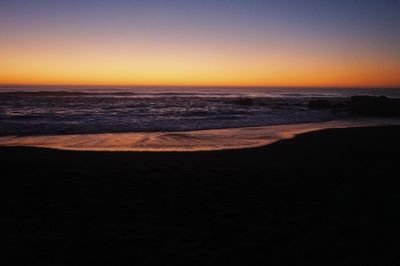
(325, 197)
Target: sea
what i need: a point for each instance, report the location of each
(64, 110)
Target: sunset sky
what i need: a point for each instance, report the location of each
(344, 43)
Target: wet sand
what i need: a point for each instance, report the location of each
(322, 198)
(200, 140)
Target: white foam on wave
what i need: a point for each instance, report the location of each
(200, 140)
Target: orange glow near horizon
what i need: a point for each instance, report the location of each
(193, 68)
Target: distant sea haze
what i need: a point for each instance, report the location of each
(84, 110)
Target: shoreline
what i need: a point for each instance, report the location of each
(187, 141)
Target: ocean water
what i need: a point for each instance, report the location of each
(84, 110)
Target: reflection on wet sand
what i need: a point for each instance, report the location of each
(201, 140)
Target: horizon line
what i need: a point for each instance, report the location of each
(2, 85)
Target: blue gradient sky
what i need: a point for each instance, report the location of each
(304, 43)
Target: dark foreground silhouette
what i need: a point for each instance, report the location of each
(326, 198)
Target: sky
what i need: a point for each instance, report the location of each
(342, 43)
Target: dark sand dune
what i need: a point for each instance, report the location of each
(326, 198)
